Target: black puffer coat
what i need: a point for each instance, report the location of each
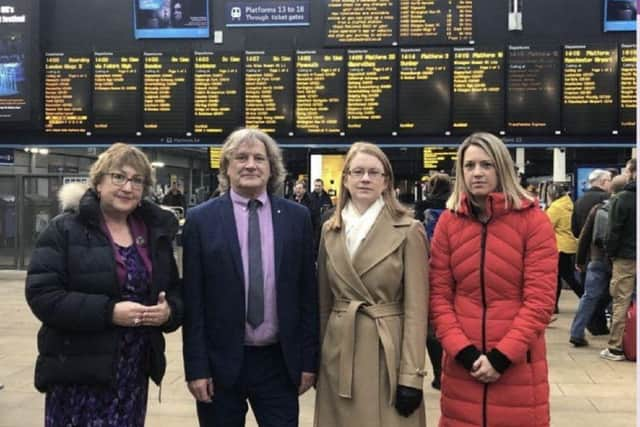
(72, 287)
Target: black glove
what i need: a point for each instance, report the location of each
(408, 399)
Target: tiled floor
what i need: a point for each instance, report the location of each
(586, 391)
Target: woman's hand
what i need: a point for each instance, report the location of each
(483, 371)
(128, 313)
(157, 315)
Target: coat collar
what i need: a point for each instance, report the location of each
(496, 205)
(386, 235)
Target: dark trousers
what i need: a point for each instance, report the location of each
(566, 270)
(264, 381)
(598, 322)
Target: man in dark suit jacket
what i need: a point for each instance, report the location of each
(250, 294)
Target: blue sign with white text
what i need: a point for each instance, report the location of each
(286, 13)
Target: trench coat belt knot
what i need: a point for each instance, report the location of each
(376, 312)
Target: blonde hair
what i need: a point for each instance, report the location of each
(117, 156)
(388, 194)
(231, 144)
(505, 171)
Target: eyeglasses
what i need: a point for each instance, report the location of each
(121, 180)
(359, 173)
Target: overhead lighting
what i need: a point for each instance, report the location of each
(157, 164)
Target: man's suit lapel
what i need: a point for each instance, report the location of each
(279, 228)
(231, 236)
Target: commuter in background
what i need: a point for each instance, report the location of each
(300, 195)
(251, 328)
(373, 291)
(103, 280)
(621, 248)
(428, 212)
(320, 204)
(493, 284)
(591, 248)
(174, 197)
(559, 211)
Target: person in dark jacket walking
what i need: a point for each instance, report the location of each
(104, 283)
(300, 195)
(621, 248)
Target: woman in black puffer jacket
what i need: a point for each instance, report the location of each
(104, 282)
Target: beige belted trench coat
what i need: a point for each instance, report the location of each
(373, 324)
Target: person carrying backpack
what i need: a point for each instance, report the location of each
(591, 248)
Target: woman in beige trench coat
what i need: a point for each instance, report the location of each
(373, 293)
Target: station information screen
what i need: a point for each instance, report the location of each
(590, 86)
(15, 59)
(67, 90)
(439, 158)
(436, 21)
(116, 93)
(217, 92)
(268, 103)
(362, 23)
(371, 76)
(424, 98)
(533, 90)
(165, 93)
(628, 83)
(320, 89)
(478, 90)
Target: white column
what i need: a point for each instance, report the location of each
(520, 162)
(559, 165)
(634, 152)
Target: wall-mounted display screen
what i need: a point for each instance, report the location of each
(15, 30)
(478, 90)
(217, 92)
(171, 19)
(620, 15)
(533, 90)
(628, 85)
(436, 21)
(320, 92)
(116, 93)
(165, 93)
(67, 91)
(424, 91)
(268, 96)
(360, 23)
(590, 90)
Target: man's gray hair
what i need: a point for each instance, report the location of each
(597, 175)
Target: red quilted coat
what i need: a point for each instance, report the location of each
(493, 286)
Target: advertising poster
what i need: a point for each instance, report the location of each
(171, 19)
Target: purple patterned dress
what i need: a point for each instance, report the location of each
(100, 406)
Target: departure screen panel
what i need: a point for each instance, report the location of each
(362, 23)
(371, 76)
(628, 84)
(16, 30)
(320, 89)
(533, 90)
(268, 94)
(165, 93)
(590, 85)
(442, 159)
(424, 96)
(116, 93)
(67, 93)
(217, 93)
(478, 90)
(436, 21)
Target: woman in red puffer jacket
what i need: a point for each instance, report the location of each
(493, 282)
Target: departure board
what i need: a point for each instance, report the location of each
(217, 92)
(165, 93)
(116, 93)
(478, 90)
(67, 89)
(424, 96)
(362, 23)
(436, 21)
(268, 91)
(628, 82)
(371, 76)
(590, 86)
(320, 89)
(533, 90)
(439, 158)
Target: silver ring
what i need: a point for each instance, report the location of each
(136, 321)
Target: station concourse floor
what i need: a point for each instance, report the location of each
(586, 391)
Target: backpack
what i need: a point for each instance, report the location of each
(600, 226)
(430, 219)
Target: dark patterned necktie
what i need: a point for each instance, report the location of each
(255, 308)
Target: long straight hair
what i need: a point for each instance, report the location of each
(505, 171)
(388, 194)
